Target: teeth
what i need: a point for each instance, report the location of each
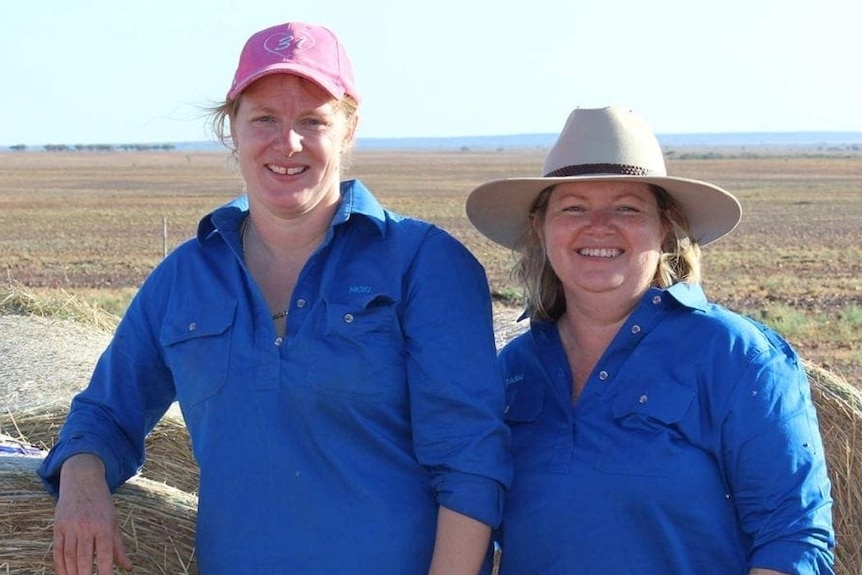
(600, 252)
(286, 171)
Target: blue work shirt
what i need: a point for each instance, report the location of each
(330, 449)
(693, 448)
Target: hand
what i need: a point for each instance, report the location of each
(85, 521)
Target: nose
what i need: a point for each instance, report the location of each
(601, 218)
(289, 141)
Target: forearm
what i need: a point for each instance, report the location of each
(461, 544)
(757, 571)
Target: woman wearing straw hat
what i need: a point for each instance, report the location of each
(653, 432)
(334, 362)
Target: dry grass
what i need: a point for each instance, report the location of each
(169, 456)
(93, 225)
(157, 522)
(20, 299)
(839, 409)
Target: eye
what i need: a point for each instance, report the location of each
(313, 122)
(573, 208)
(265, 119)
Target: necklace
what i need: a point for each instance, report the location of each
(242, 236)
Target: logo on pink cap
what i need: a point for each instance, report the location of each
(286, 44)
(312, 52)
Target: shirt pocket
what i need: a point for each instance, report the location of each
(532, 445)
(523, 404)
(646, 435)
(197, 347)
(359, 351)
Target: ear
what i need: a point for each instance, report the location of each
(350, 130)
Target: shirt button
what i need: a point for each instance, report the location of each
(301, 302)
(348, 318)
(506, 409)
(636, 329)
(603, 375)
(278, 341)
(656, 299)
(193, 326)
(643, 399)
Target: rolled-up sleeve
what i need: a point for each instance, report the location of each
(455, 385)
(129, 391)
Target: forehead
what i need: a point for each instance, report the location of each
(601, 190)
(287, 87)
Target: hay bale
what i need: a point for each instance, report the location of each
(157, 522)
(839, 410)
(169, 454)
(36, 425)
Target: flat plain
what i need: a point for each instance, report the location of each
(95, 224)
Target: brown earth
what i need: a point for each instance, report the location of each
(94, 224)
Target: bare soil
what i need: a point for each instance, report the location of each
(97, 223)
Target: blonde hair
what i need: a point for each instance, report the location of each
(543, 291)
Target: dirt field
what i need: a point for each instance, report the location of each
(94, 224)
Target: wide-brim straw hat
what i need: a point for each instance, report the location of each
(601, 145)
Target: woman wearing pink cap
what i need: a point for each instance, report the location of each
(653, 432)
(334, 361)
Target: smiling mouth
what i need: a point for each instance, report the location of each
(600, 252)
(286, 171)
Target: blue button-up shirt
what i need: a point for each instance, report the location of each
(327, 450)
(693, 448)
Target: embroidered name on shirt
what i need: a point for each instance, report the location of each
(360, 289)
(514, 379)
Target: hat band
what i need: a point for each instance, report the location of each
(591, 169)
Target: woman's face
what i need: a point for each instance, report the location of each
(603, 237)
(290, 136)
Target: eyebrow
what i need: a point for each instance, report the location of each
(623, 196)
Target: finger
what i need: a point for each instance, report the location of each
(83, 563)
(59, 554)
(105, 555)
(120, 556)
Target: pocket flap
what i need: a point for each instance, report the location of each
(194, 322)
(524, 401)
(667, 402)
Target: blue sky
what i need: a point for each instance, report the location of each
(111, 71)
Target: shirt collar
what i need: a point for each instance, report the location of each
(356, 199)
(687, 294)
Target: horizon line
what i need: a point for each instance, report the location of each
(833, 137)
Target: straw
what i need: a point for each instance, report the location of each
(157, 522)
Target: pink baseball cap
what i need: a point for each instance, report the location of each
(306, 50)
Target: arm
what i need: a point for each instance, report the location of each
(85, 520)
(457, 397)
(775, 465)
(757, 571)
(460, 545)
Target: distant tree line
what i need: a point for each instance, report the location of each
(96, 147)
